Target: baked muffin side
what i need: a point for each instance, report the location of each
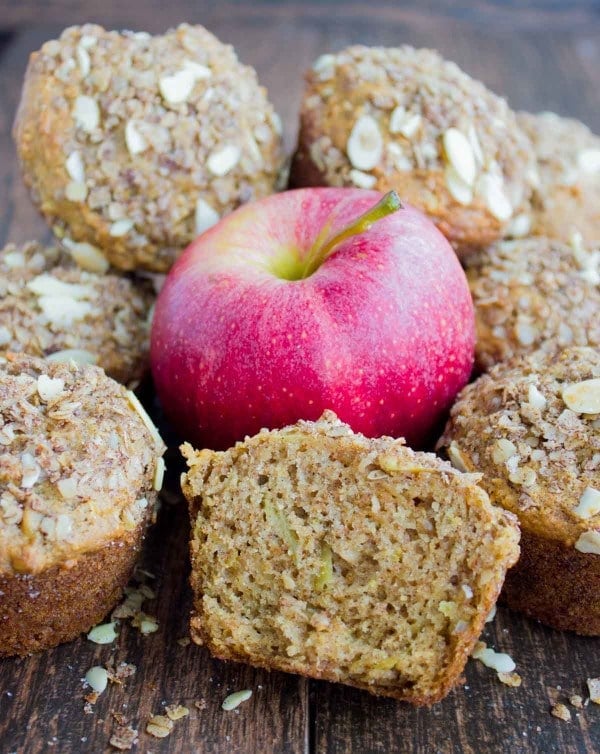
(80, 467)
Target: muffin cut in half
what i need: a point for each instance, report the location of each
(321, 552)
(80, 467)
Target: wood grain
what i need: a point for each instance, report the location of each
(543, 55)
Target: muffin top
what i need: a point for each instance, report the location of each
(382, 114)
(532, 427)
(50, 307)
(79, 462)
(534, 293)
(566, 196)
(136, 143)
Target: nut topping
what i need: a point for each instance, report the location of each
(223, 160)
(583, 397)
(365, 144)
(589, 542)
(459, 154)
(134, 140)
(589, 503)
(205, 216)
(86, 113)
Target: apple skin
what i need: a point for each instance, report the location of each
(382, 332)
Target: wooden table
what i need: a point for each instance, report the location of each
(542, 57)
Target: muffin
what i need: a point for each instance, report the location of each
(135, 144)
(534, 293)
(566, 197)
(80, 466)
(321, 552)
(532, 428)
(50, 307)
(408, 119)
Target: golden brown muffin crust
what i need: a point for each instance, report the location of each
(566, 195)
(135, 144)
(534, 293)
(408, 119)
(531, 426)
(49, 307)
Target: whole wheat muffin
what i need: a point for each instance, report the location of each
(534, 293)
(408, 119)
(50, 307)
(566, 195)
(532, 427)
(321, 552)
(80, 466)
(135, 144)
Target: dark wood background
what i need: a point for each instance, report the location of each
(541, 55)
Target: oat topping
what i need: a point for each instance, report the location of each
(124, 737)
(411, 119)
(540, 460)
(76, 465)
(561, 711)
(50, 307)
(144, 128)
(531, 294)
(159, 726)
(566, 186)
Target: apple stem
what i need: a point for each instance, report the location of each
(322, 249)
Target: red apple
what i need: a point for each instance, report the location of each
(308, 300)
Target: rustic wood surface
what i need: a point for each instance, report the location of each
(543, 55)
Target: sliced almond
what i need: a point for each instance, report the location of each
(458, 189)
(197, 69)
(362, 180)
(120, 227)
(519, 226)
(205, 216)
(456, 457)
(526, 333)
(78, 355)
(83, 58)
(535, 398)
(365, 144)
(159, 474)
(459, 154)
(86, 256)
(588, 160)
(67, 487)
(491, 188)
(31, 470)
(75, 191)
(47, 285)
(222, 161)
(475, 144)
(87, 41)
(134, 140)
(75, 168)
(583, 397)
(503, 450)
(589, 542)
(176, 88)
(61, 311)
(50, 387)
(404, 122)
(143, 414)
(325, 67)
(86, 113)
(589, 503)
